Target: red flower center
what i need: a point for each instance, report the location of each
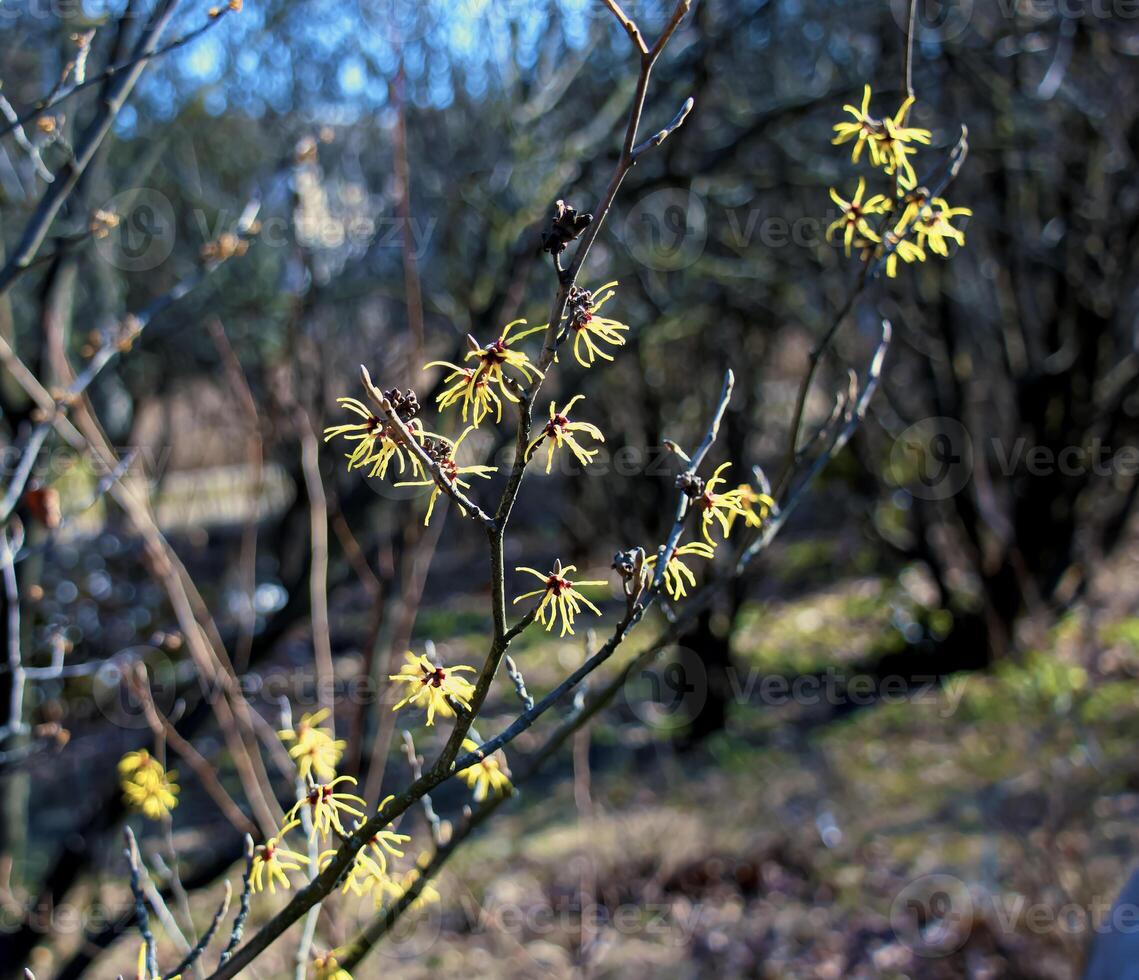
(494, 353)
(555, 424)
(558, 585)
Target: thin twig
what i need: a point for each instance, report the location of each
(318, 565)
(15, 724)
(519, 682)
(195, 954)
(908, 63)
(415, 762)
(243, 905)
(15, 125)
(141, 913)
(694, 462)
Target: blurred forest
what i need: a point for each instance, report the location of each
(403, 159)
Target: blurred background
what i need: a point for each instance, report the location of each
(903, 745)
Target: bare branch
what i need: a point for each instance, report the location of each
(196, 953)
(243, 907)
(64, 92)
(630, 27)
(85, 149)
(659, 137)
(130, 327)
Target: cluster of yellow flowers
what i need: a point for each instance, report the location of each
(716, 507)
(901, 224)
(496, 372)
(491, 374)
(329, 806)
(147, 786)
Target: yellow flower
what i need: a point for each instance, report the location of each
(385, 840)
(316, 750)
(147, 786)
(892, 144)
(271, 860)
(559, 430)
(719, 507)
(328, 969)
(854, 214)
(487, 776)
(471, 386)
(901, 247)
(362, 876)
(862, 130)
(327, 805)
(394, 890)
(376, 441)
(912, 203)
(559, 596)
(676, 573)
(754, 506)
(140, 765)
(887, 138)
(444, 450)
(933, 226)
(433, 687)
(589, 328)
(497, 355)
